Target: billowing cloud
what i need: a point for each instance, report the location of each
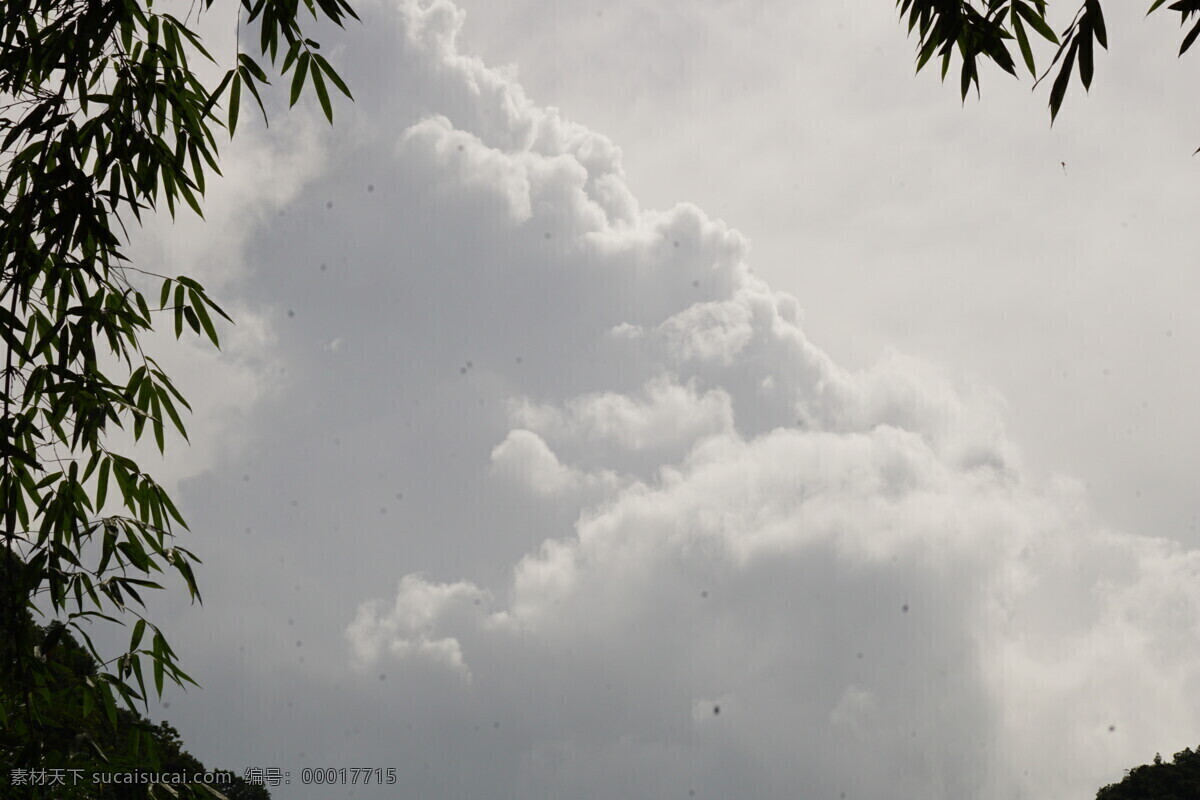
(649, 539)
(403, 631)
(839, 581)
(669, 413)
(525, 453)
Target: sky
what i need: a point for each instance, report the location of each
(666, 400)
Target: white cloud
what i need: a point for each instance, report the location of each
(709, 331)
(408, 631)
(706, 556)
(525, 456)
(838, 561)
(670, 414)
(843, 591)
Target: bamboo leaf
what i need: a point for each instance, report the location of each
(235, 102)
(191, 200)
(192, 320)
(139, 629)
(298, 77)
(216, 93)
(102, 483)
(1059, 90)
(333, 76)
(205, 319)
(1097, 20)
(257, 97)
(156, 405)
(165, 400)
(290, 57)
(322, 94)
(1085, 56)
(1038, 22)
(1023, 43)
(1190, 38)
(254, 69)
(159, 657)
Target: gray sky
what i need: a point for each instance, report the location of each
(525, 474)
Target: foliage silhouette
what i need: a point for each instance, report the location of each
(983, 29)
(100, 116)
(1178, 779)
(70, 741)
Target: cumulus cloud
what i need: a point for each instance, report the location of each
(648, 538)
(829, 580)
(404, 632)
(524, 455)
(669, 413)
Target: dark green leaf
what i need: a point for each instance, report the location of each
(968, 71)
(138, 630)
(158, 648)
(142, 306)
(1190, 38)
(191, 200)
(1096, 16)
(1023, 43)
(169, 406)
(290, 57)
(1037, 21)
(257, 98)
(333, 76)
(197, 168)
(192, 321)
(205, 320)
(255, 70)
(136, 663)
(322, 94)
(156, 408)
(172, 510)
(1085, 57)
(179, 307)
(298, 77)
(235, 102)
(216, 94)
(1059, 90)
(110, 707)
(217, 309)
(926, 53)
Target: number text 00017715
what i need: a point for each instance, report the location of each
(344, 775)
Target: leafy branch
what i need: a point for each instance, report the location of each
(983, 29)
(102, 116)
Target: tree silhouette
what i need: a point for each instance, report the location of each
(1178, 779)
(101, 117)
(69, 740)
(983, 30)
